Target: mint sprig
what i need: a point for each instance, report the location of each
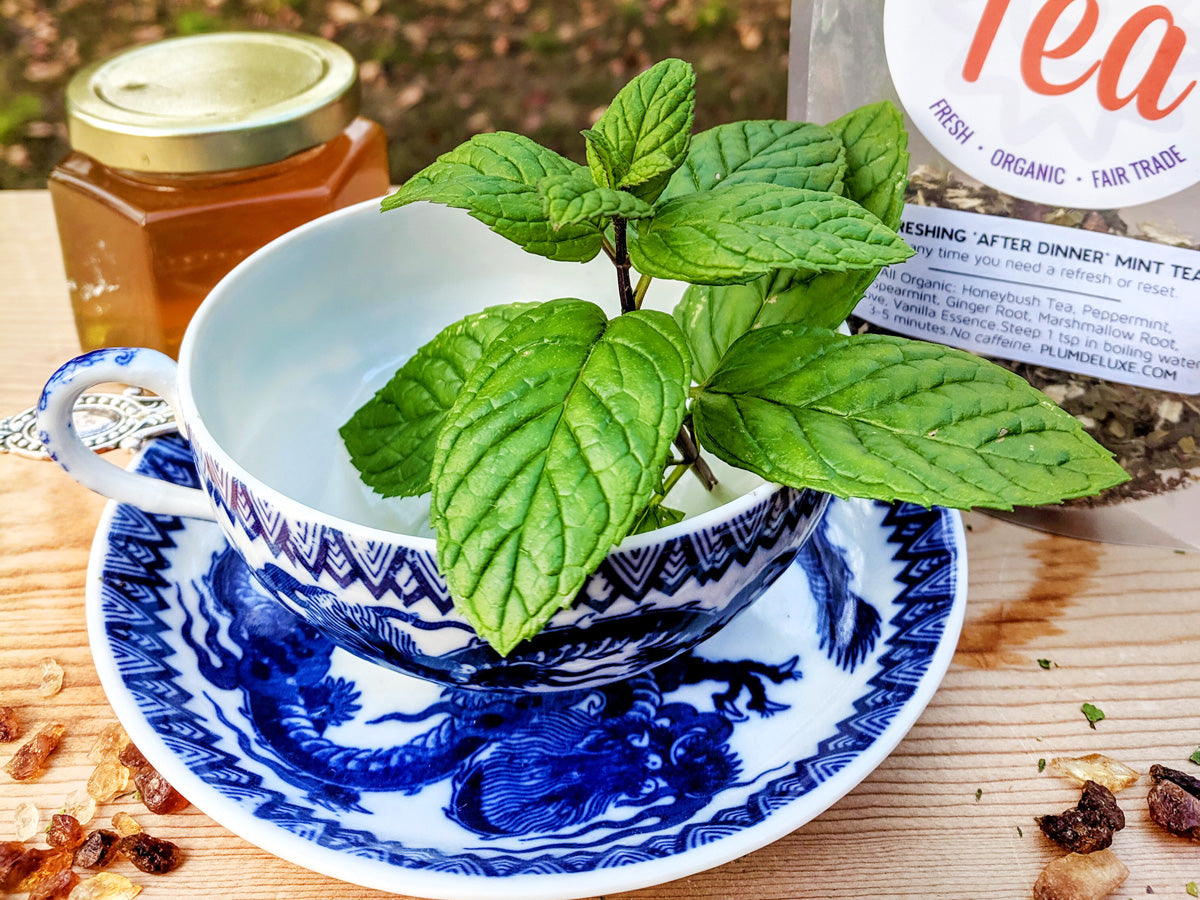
(544, 432)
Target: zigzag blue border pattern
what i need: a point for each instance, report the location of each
(134, 595)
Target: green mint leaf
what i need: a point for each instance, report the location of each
(1041, 765)
(602, 158)
(571, 199)
(739, 232)
(643, 135)
(1195, 757)
(1092, 713)
(555, 445)
(1044, 663)
(714, 316)
(886, 418)
(771, 151)
(391, 438)
(656, 516)
(495, 177)
(876, 145)
(793, 154)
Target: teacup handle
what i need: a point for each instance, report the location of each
(56, 429)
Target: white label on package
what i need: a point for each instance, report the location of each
(1065, 102)
(1095, 304)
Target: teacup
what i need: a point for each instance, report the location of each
(295, 339)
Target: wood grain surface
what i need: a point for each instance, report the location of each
(949, 814)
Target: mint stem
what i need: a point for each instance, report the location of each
(630, 301)
(639, 292)
(691, 453)
(621, 261)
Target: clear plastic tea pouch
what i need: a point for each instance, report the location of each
(1054, 206)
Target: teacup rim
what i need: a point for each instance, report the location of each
(299, 511)
(194, 427)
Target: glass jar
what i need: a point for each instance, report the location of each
(188, 155)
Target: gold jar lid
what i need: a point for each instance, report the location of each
(211, 102)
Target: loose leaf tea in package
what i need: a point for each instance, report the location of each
(1054, 204)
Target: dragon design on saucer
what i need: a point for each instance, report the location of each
(397, 783)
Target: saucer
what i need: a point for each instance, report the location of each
(397, 784)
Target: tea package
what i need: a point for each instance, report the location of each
(1054, 207)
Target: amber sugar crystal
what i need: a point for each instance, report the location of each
(28, 762)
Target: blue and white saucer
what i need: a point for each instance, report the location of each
(395, 783)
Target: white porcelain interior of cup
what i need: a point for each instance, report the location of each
(301, 334)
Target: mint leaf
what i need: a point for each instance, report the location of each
(714, 316)
(1092, 713)
(876, 145)
(1195, 757)
(571, 199)
(876, 175)
(643, 135)
(885, 418)
(736, 233)
(495, 177)
(391, 438)
(793, 154)
(556, 443)
(876, 163)
(602, 158)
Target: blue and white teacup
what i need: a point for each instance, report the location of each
(295, 339)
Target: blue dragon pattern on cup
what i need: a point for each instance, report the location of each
(642, 606)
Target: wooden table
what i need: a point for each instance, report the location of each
(1121, 625)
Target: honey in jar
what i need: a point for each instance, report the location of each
(189, 154)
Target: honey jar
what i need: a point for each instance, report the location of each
(190, 153)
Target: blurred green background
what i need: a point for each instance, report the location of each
(434, 72)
